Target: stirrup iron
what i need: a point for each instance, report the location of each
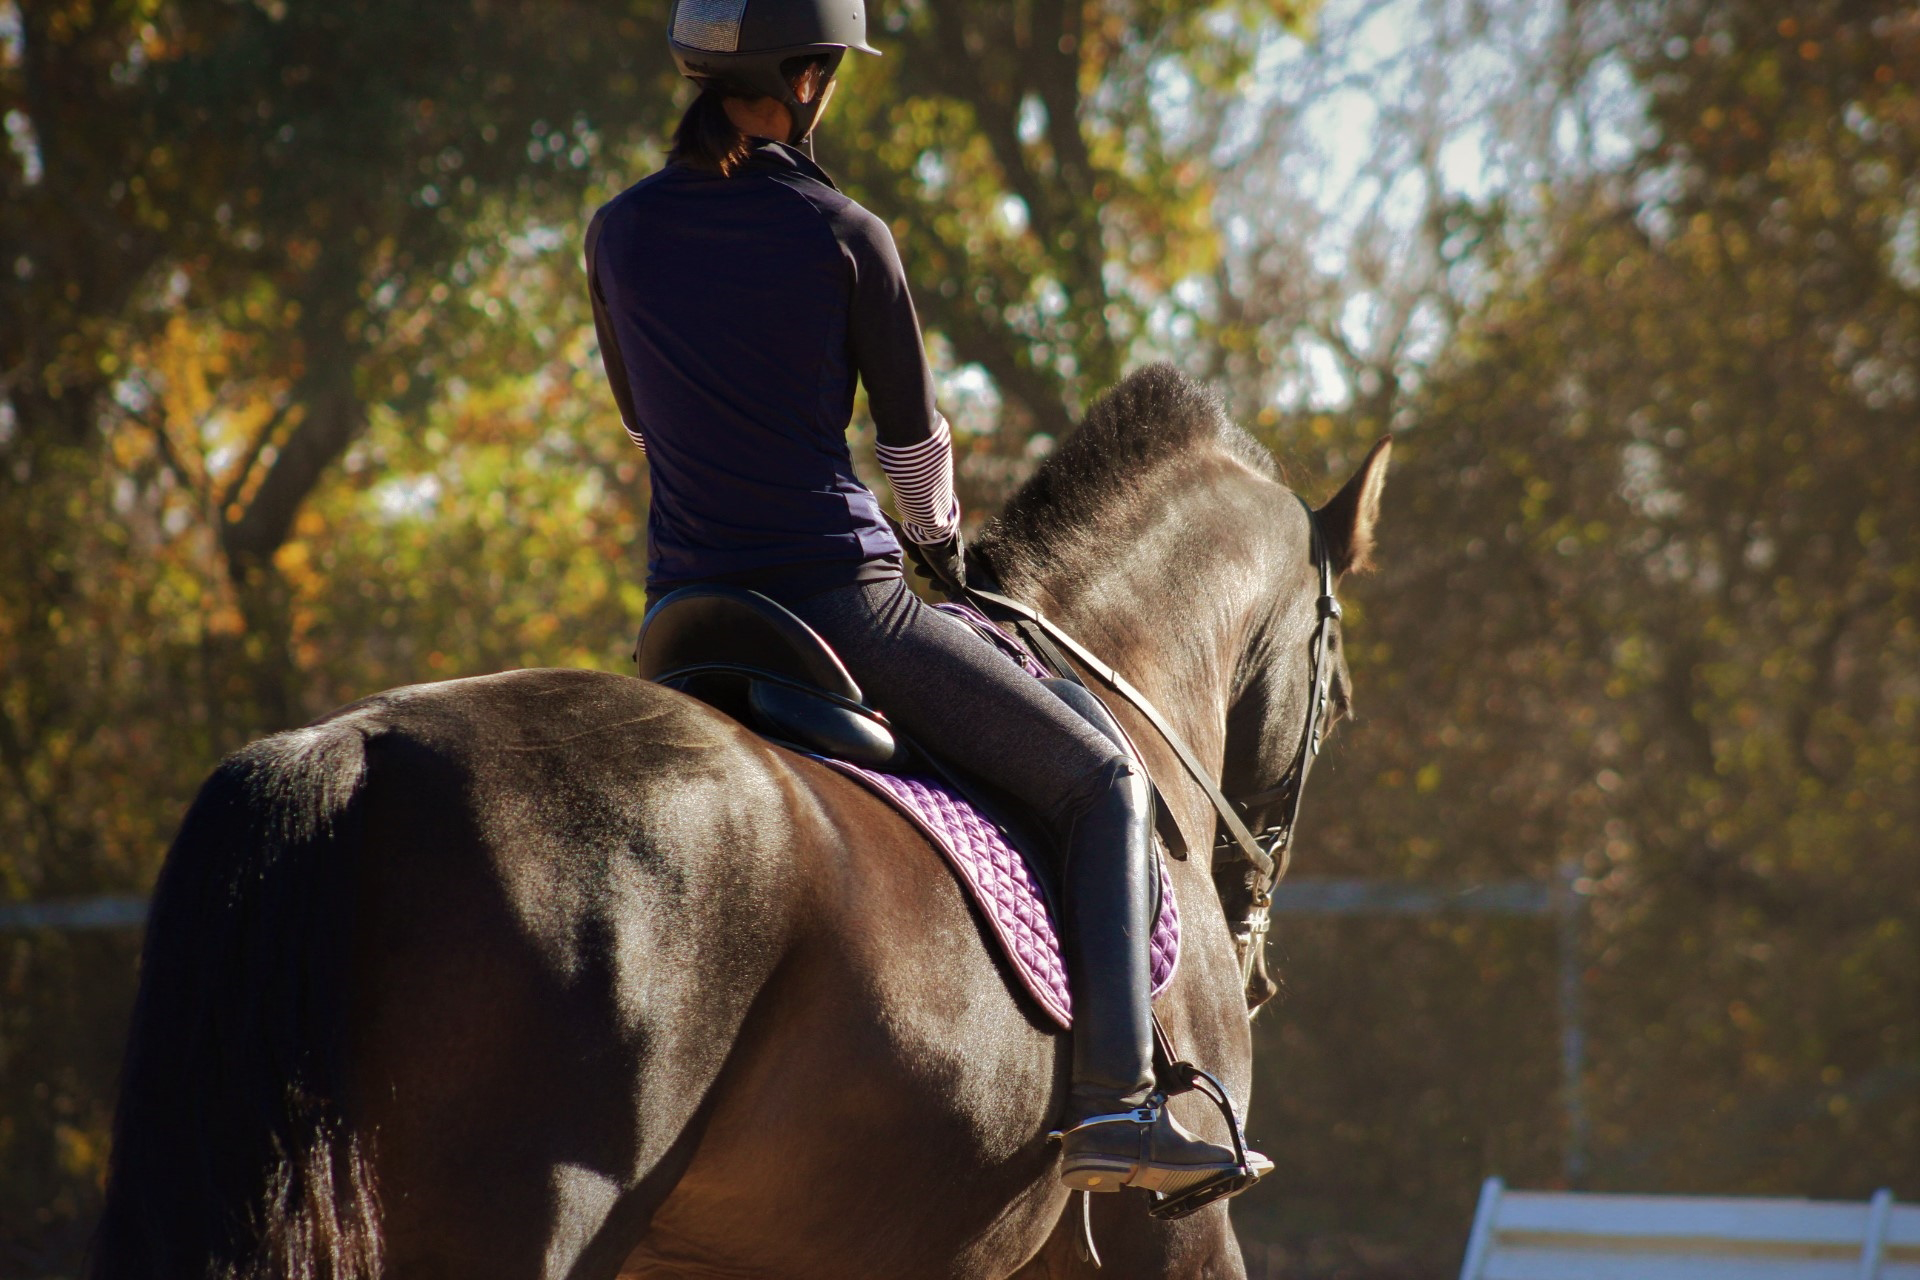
(1184, 1077)
(1174, 1192)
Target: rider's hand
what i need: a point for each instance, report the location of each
(943, 563)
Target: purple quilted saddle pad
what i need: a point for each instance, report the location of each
(1005, 888)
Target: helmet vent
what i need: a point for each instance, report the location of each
(711, 26)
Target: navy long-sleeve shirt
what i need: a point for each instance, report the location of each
(734, 315)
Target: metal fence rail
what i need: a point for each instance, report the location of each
(1297, 898)
(73, 914)
(1388, 898)
(1563, 1233)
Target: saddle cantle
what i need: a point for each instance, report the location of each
(744, 654)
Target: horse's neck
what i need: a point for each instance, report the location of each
(1172, 624)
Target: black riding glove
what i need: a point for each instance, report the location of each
(943, 563)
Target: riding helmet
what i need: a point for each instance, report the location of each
(753, 47)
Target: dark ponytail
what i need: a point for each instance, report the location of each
(707, 139)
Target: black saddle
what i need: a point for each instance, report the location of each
(744, 654)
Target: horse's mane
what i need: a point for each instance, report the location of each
(1081, 499)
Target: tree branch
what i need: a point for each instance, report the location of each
(334, 416)
(237, 485)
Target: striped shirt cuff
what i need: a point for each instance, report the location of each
(637, 438)
(922, 479)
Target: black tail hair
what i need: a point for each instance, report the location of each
(233, 1156)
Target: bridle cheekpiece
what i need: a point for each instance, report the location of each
(1275, 841)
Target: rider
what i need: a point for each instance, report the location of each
(738, 294)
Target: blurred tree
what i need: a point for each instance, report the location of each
(232, 234)
(1045, 168)
(306, 177)
(1648, 603)
(1373, 177)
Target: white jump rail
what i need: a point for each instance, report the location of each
(1560, 1235)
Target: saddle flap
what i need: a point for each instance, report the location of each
(717, 627)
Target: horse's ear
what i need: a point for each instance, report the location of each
(1347, 521)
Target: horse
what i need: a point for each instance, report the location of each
(561, 973)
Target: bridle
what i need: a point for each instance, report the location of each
(1269, 852)
(1276, 841)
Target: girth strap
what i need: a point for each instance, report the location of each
(1237, 829)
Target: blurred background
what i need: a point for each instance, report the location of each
(299, 400)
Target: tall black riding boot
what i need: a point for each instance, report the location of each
(1115, 1135)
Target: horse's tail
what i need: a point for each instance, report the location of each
(233, 1155)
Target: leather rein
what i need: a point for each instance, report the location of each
(1270, 852)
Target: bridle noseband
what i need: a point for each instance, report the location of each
(1269, 852)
